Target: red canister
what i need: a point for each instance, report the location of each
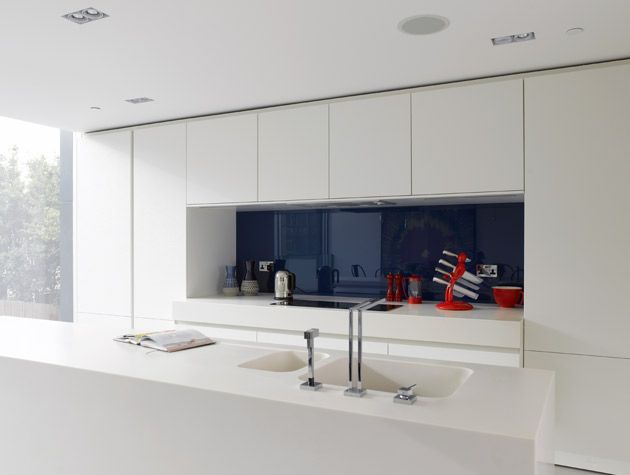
(414, 289)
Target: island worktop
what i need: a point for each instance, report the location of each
(145, 396)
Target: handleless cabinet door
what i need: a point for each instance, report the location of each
(370, 147)
(577, 212)
(592, 417)
(293, 154)
(103, 224)
(222, 160)
(468, 138)
(159, 219)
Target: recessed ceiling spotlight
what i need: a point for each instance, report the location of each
(85, 15)
(423, 24)
(517, 38)
(139, 100)
(575, 31)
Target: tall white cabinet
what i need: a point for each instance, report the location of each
(577, 223)
(592, 417)
(135, 254)
(103, 225)
(159, 203)
(468, 138)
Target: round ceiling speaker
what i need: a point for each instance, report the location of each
(423, 24)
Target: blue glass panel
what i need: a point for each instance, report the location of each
(350, 251)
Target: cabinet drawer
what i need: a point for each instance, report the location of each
(497, 357)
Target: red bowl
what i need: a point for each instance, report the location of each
(507, 297)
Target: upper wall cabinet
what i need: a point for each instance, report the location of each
(103, 224)
(468, 138)
(370, 153)
(223, 160)
(293, 154)
(159, 163)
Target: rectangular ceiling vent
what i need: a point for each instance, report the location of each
(139, 100)
(517, 38)
(85, 15)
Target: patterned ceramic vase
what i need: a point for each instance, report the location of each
(230, 286)
(249, 286)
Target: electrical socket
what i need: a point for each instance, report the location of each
(488, 271)
(265, 266)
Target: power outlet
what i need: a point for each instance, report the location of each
(265, 266)
(488, 271)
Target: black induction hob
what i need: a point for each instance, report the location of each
(330, 304)
(384, 307)
(315, 303)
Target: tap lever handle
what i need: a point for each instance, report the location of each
(406, 391)
(312, 333)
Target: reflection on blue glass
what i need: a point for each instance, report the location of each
(350, 251)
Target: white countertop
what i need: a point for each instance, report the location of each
(486, 325)
(480, 311)
(495, 400)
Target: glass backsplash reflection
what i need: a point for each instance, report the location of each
(348, 252)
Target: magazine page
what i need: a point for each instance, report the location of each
(176, 337)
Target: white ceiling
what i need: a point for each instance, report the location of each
(197, 57)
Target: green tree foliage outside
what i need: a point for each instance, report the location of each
(29, 229)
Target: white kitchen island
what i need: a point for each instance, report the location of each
(76, 402)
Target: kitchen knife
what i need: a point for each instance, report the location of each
(458, 288)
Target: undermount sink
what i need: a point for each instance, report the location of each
(435, 381)
(282, 361)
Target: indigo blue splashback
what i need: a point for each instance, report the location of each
(350, 251)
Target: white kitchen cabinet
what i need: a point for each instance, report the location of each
(459, 353)
(103, 224)
(370, 147)
(223, 333)
(322, 343)
(592, 416)
(468, 138)
(577, 211)
(159, 199)
(293, 154)
(222, 160)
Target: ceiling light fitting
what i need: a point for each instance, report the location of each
(517, 38)
(85, 15)
(139, 100)
(423, 24)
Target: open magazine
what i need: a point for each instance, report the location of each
(169, 340)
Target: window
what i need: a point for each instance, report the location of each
(31, 208)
